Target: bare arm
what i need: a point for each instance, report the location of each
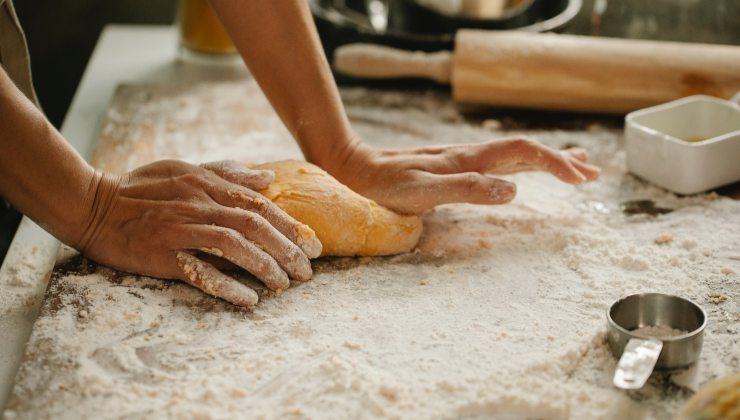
(279, 43)
(40, 173)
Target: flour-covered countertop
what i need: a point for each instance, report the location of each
(500, 311)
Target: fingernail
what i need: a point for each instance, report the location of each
(308, 241)
(504, 190)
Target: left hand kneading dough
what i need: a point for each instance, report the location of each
(346, 223)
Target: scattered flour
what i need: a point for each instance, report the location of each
(500, 312)
(21, 283)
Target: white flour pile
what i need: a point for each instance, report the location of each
(658, 331)
(500, 312)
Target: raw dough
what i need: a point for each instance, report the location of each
(719, 399)
(346, 223)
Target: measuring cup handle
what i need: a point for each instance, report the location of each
(637, 362)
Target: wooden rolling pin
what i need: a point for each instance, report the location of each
(563, 72)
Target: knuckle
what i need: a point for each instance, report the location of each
(174, 167)
(559, 159)
(229, 239)
(454, 160)
(254, 222)
(417, 178)
(185, 208)
(218, 215)
(194, 179)
(248, 218)
(524, 143)
(470, 180)
(173, 163)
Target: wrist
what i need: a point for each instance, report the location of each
(354, 165)
(335, 157)
(96, 206)
(324, 138)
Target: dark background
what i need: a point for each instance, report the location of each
(62, 34)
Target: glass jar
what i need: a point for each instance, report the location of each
(202, 36)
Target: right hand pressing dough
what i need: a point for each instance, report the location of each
(346, 223)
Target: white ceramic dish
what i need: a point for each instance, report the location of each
(662, 143)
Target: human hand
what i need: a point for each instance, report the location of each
(415, 180)
(152, 220)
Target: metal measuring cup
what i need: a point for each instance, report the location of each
(640, 355)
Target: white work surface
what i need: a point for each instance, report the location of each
(124, 53)
(498, 312)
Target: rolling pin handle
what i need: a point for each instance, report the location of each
(380, 62)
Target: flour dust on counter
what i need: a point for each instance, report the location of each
(498, 312)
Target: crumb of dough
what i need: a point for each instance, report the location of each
(716, 297)
(664, 239)
(293, 411)
(388, 393)
(351, 345)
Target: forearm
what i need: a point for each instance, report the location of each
(279, 43)
(40, 173)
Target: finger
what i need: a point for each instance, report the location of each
(421, 151)
(578, 153)
(591, 172)
(295, 231)
(563, 168)
(536, 156)
(235, 172)
(258, 230)
(205, 277)
(468, 187)
(569, 165)
(519, 155)
(500, 157)
(231, 245)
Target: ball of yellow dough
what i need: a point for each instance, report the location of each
(719, 399)
(346, 223)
